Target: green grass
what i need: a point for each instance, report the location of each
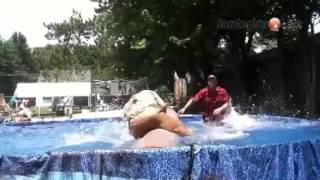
(44, 111)
(47, 111)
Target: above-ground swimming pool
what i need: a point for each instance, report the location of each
(243, 147)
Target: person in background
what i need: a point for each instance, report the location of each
(2, 103)
(24, 113)
(13, 102)
(215, 98)
(68, 103)
(5, 108)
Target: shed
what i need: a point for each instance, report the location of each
(44, 92)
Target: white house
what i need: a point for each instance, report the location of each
(44, 92)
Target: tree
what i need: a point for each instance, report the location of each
(164, 35)
(14, 62)
(9, 58)
(76, 49)
(20, 42)
(74, 31)
(296, 35)
(153, 39)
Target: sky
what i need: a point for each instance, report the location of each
(28, 16)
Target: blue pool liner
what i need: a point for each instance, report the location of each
(297, 160)
(168, 163)
(294, 160)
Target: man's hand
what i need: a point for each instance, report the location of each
(181, 111)
(216, 112)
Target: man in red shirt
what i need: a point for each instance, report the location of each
(215, 98)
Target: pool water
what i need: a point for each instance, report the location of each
(67, 136)
(258, 130)
(236, 130)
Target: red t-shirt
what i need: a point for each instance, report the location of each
(212, 99)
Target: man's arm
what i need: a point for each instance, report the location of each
(198, 97)
(221, 109)
(181, 111)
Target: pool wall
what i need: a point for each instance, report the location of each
(296, 160)
(171, 163)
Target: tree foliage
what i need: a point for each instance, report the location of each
(14, 54)
(134, 38)
(15, 61)
(74, 31)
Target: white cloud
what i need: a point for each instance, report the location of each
(28, 16)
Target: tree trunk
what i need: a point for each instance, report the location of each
(239, 84)
(310, 75)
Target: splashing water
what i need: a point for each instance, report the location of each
(235, 129)
(234, 126)
(237, 126)
(240, 122)
(117, 133)
(113, 132)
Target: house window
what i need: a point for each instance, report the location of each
(47, 100)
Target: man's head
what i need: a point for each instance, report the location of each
(212, 81)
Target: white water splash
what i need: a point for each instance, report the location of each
(114, 132)
(234, 126)
(240, 122)
(110, 132)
